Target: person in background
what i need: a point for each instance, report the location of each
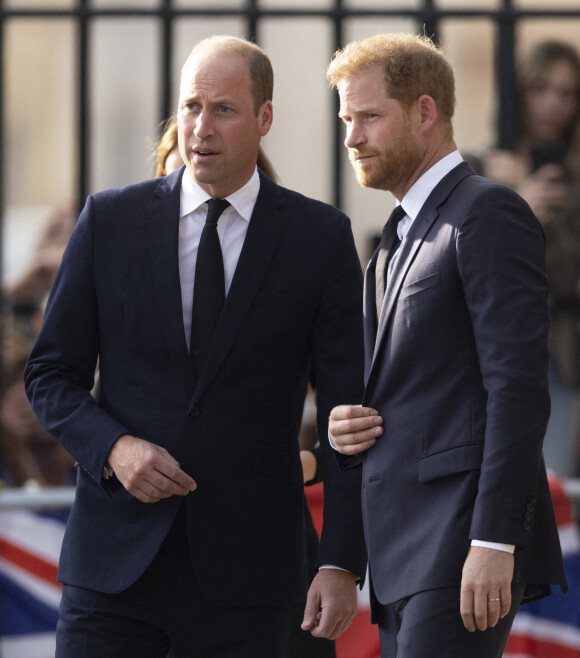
(544, 167)
(167, 156)
(29, 455)
(459, 521)
(187, 530)
(302, 645)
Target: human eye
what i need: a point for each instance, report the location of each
(224, 109)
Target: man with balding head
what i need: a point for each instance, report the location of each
(208, 297)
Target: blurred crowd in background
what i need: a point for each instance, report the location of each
(544, 167)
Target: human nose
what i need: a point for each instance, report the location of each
(203, 127)
(354, 135)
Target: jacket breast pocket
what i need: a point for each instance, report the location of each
(421, 285)
(467, 457)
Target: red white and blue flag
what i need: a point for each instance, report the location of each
(29, 594)
(550, 628)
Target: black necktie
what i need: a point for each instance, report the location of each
(209, 287)
(389, 243)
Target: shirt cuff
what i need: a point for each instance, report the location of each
(107, 472)
(506, 548)
(332, 566)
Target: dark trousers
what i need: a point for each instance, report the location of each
(165, 609)
(429, 625)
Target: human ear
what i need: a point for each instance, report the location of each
(265, 118)
(427, 111)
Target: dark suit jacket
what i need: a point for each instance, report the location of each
(458, 372)
(294, 301)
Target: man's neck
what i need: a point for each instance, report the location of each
(432, 157)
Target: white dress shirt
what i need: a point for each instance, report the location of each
(232, 228)
(413, 201)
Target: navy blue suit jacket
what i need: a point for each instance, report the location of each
(294, 305)
(457, 368)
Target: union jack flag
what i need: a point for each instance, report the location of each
(550, 628)
(29, 594)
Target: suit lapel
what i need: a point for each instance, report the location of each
(409, 248)
(370, 312)
(405, 257)
(264, 232)
(162, 225)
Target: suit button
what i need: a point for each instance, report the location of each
(530, 507)
(195, 411)
(526, 525)
(528, 516)
(532, 498)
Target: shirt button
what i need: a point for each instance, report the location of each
(195, 411)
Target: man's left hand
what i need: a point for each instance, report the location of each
(331, 604)
(486, 594)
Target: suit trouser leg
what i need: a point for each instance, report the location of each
(164, 608)
(429, 625)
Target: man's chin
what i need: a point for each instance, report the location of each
(204, 174)
(367, 181)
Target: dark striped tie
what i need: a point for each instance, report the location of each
(209, 286)
(387, 247)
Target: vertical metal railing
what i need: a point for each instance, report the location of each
(428, 17)
(337, 155)
(83, 104)
(429, 21)
(166, 57)
(2, 160)
(506, 76)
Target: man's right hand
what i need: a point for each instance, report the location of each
(354, 429)
(147, 470)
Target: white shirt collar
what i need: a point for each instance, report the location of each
(242, 200)
(413, 201)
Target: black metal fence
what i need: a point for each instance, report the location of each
(428, 17)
